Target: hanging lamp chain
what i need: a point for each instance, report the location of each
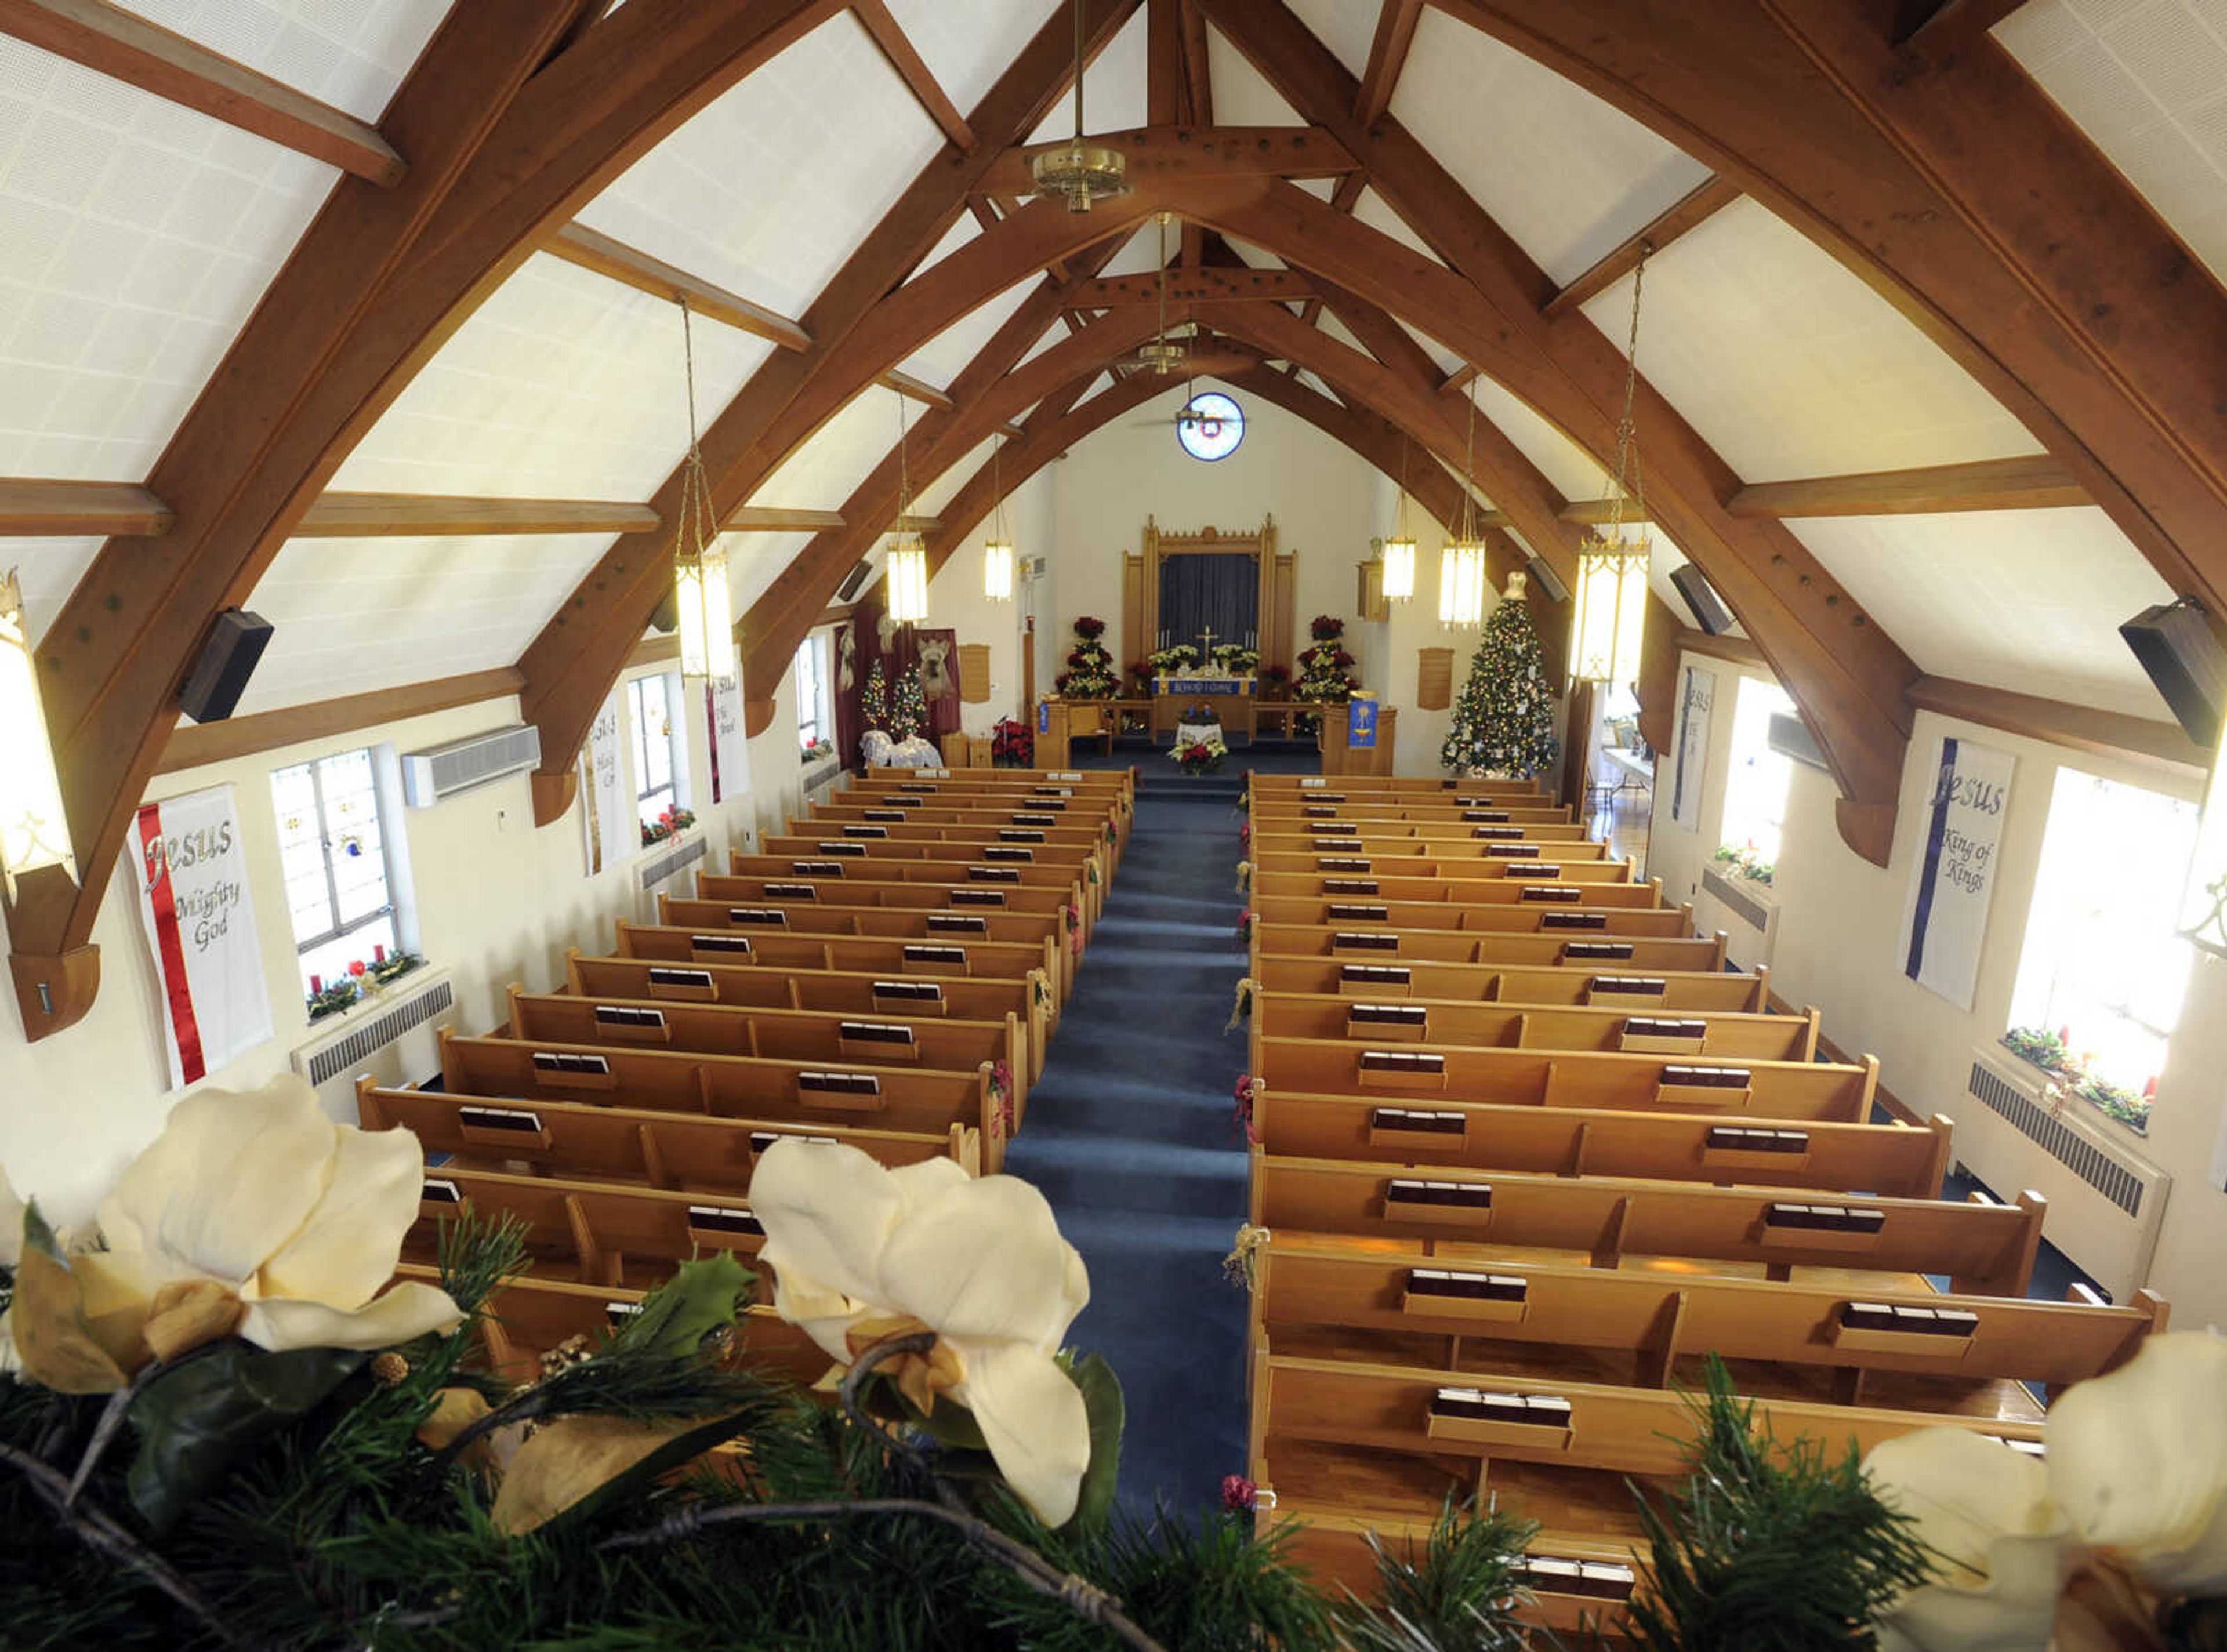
(1078, 71)
(998, 489)
(1627, 445)
(1469, 473)
(1400, 524)
(692, 535)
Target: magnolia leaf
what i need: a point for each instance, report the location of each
(53, 1339)
(701, 1298)
(195, 1421)
(1103, 1403)
(578, 1465)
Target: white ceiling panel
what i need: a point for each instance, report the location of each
(1347, 27)
(1568, 469)
(1112, 89)
(840, 454)
(1375, 211)
(47, 571)
(1447, 358)
(1565, 175)
(1338, 329)
(2147, 83)
(964, 228)
(2028, 601)
(1055, 334)
(1142, 250)
(967, 48)
(1256, 257)
(1790, 366)
(1242, 97)
(351, 54)
(770, 189)
(946, 355)
(352, 615)
(562, 385)
(135, 237)
(755, 560)
(938, 493)
(1312, 382)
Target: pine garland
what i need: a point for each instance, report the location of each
(1503, 722)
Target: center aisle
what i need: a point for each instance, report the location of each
(1130, 1137)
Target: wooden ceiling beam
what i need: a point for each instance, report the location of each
(505, 142)
(593, 250)
(1707, 199)
(1388, 56)
(387, 516)
(126, 47)
(1198, 76)
(570, 665)
(1846, 676)
(914, 389)
(1953, 185)
(1214, 284)
(1165, 95)
(193, 744)
(778, 518)
(34, 507)
(2142, 740)
(1228, 151)
(913, 70)
(1934, 25)
(2031, 481)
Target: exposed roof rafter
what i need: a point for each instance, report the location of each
(913, 71)
(1711, 195)
(593, 250)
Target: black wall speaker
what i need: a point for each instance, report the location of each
(2175, 643)
(1547, 579)
(853, 581)
(227, 660)
(1709, 609)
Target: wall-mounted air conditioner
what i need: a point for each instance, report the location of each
(440, 772)
(1031, 568)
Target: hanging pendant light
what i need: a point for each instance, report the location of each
(1462, 576)
(34, 831)
(998, 549)
(701, 598)
(1079, 173)
(905, 569)
(1610, 620)
(1398, 554)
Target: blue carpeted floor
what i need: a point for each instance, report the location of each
(1130, 1137)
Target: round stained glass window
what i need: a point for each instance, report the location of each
(1210, 426)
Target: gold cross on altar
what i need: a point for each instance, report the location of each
(1207, 637)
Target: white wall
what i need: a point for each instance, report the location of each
(956, 600)
(498, 901)
(1840, 928)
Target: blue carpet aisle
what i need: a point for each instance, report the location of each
(1129, 1135)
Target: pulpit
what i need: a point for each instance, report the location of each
(1357, 738)
(1060, 722)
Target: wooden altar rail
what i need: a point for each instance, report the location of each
(1402, 1072)
(884, 1038)
(1700, 989)
(743, 1087)
(1656, 1319)
(1909, 1161)
(1987, 1249)
(1414, 919)
(828, 992)
(931, 928)
(1723, 1034)
(679, 1151)
(1362, 944)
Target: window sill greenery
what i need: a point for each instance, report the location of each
(361, 984)
(1744, 862)
(2038, 1046)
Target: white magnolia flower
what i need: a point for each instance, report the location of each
(255, 1214)
(1986, 1508)
(857, 1247)
(2139, 1460)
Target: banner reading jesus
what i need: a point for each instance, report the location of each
(191, 867)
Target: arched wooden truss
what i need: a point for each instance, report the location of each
(1918, 163)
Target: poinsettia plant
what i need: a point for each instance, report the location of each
(1012, 743)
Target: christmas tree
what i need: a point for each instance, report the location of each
(1090, 673)
(874, 700)
(1326, 670)
(908, 708)
(1503, 722)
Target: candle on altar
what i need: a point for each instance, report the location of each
(378, 954)
(317, 984)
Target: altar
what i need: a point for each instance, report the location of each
(1231, 699)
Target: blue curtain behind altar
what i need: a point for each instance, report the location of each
(1219, 589)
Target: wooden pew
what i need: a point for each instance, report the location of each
(959, 958)
(744, 1087)
(1454, 842)
(880, 870)
(1332, 859)
(1906, 1161)
(848, 822)
(1265, 785)
(1268, 812)
(926, 1043)
(1117, 783)
(1957, 1353)
(678, 1152)
(1596, 882)
(869, 860)
(1376, 944)
(1985, 1248)
(1528, 916)
(810, 918)
(590, 1232)
(1510, 1026)
(1395, 1070)
(829, 991)
(896, 895)
(1687, 991)
(529, 1316)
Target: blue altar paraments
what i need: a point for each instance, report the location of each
(1361, 723)
(1203, 685)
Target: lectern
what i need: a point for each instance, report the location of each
(1357, 738)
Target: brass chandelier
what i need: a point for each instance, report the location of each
(1079, 172)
